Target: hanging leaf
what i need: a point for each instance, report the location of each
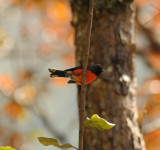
(97, 122)
(6, 148)
(50, 141)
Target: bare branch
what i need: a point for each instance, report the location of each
(83, 87)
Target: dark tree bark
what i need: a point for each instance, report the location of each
(112, 96)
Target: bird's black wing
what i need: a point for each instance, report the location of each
(72, 69)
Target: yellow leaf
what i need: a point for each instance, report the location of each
(6, 148)
(97, 122)
(50, 141)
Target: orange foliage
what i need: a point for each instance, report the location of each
(30, 4)
(16, 140)
(59, 10)
(141, 3)
(68, 59)
(156, 19)
(151, 86)
(153, 106)
(34, 4)
(154, 59)
(150, 91)
(24, 76)
(16, 2)
(155, 3)
(56, 31)
(152, 140)
(25, 94)
(61, 82)
(14, 110)
(7, 84)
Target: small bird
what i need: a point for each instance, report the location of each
(75, 74)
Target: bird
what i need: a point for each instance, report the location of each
(75, 74)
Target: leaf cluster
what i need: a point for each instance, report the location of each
(95, 121)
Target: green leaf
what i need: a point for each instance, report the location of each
(97, 122)
(49, 141)
(6, 148)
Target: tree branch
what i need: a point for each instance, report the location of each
(83, 87)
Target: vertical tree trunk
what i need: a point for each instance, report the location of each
(112, 96)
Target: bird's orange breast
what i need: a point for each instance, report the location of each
(77, 76)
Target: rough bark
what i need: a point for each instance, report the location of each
(112, 96)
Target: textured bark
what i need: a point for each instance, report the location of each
(112, 96)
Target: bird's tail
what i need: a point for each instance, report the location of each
(57, 73)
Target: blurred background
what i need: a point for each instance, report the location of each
(36, 35)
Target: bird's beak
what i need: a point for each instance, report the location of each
(103, 70)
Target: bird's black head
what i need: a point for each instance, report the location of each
(97, 69)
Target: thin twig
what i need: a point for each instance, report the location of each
(83, 87)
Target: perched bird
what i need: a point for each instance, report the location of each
(75, 74)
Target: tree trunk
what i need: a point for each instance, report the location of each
(112, 96)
